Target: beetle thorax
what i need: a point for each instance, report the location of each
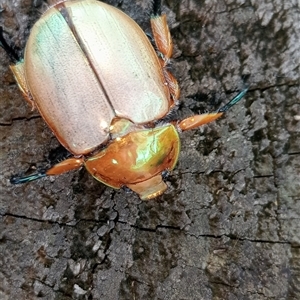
(137, 159)
(120, 127)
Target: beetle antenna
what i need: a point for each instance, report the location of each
(8, 49)
(233, 101)
(156, 8)
(23, 179)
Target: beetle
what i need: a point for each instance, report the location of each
(106, 93)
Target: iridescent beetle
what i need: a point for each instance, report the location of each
(103, 90)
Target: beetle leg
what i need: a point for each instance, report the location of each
(64, 166)
(198, 120)
(19, 74)
(163, 42)
(17, 67)
(173, 87)
(161, 32)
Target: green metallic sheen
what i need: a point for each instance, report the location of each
(136, 157)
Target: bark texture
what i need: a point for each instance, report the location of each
(228, 226)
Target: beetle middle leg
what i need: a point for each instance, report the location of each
(17, 67)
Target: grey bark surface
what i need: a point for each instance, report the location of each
(228, 226)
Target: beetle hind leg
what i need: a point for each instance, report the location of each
(161, 32)
(163, 42)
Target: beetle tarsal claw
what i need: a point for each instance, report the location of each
(150, 188)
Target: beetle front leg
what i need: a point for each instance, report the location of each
(64, 166)
(198, 120)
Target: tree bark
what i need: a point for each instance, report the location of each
(228, 227)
